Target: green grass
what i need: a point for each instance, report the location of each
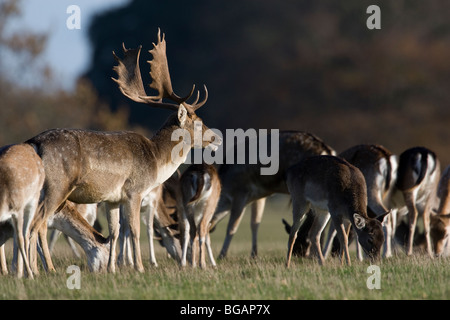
(241, 277)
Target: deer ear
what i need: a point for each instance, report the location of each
(182, 114)
(382, 218)
(360, 221)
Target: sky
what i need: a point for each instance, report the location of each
(67, 49)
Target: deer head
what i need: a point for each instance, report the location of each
(130, 84)
(370, 233)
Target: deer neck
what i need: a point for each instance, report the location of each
(169, 154)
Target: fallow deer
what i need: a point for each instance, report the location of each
(21, 180)
(119, 168)
(243, 184)
(440, 221)
(200, 190)
(331, 186)
(417, 179)
(157, 211)
(379, 168)
(89, 213)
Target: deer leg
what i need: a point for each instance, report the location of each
(149, 213)
(3, 264)
(236, 214)
(132, 215)
(299, 209)
(329, 244)
(321, 218)
(125, 257)
(343, 239)
(257, 214)
(42, 234)
(412, 219)
(210, 252)
(113, 217)
(426, 225)
(202, 236)
(185, 230)
(18, 228)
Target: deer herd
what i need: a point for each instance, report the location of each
(63, 178)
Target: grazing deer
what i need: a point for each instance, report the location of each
(200, 191)
(119, 168)
(379, 168)
(243, 184)
(88, 212)
(440, 222)
(331, 186)
(21, 180)
(417, 178)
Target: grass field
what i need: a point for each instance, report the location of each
(241, 277)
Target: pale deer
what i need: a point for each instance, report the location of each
(157, 211)
(119, 168)
(440, 221)
(200, 190)
(243, 184)
(89, 213)
(21, 180)
(417, 179)
(331, 186)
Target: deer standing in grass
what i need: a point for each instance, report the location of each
(200, 191)
(417, 179)
(331, 186)
(119, 168)
(21, 180)
(243, 183)
(440, 221)
(379, 168)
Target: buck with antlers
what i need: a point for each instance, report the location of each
(21, 180)
(417, 179)
(119, 168)
(243, 184)
(440, 222)
(200, 191)
(331, 186)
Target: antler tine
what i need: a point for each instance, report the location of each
(196, 105)
(130, 81)
(159, 72)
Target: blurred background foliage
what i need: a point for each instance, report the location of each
(303, 65)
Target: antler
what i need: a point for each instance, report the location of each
(130, 81)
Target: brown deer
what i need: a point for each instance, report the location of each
(200, 190)
(21, 180)
(243, 184)
(417, 179)
(440, 221)
(379, 168)
(331, 186)
(119, 168)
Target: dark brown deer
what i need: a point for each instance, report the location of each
(417, 179)
(440, 221)
(200, 191)
(119, 168)
(379, 168)
(21, 180)
(243, 184)
(331, 186)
